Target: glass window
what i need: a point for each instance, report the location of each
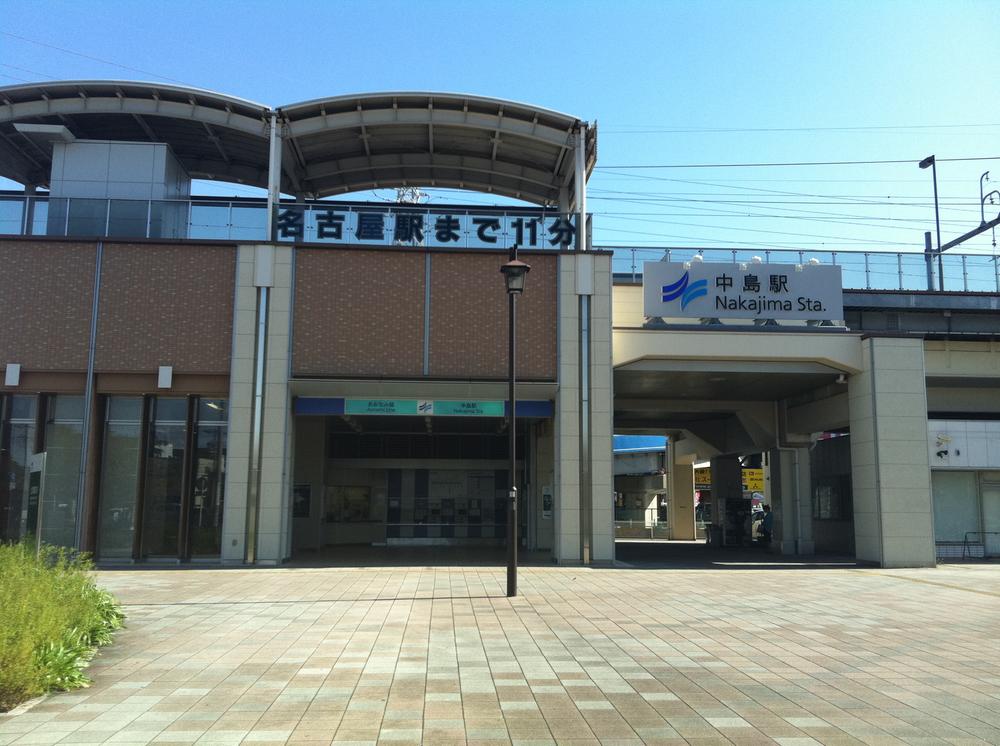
(124, 409)
(164, 477)
(23, 408)
(168, 219)
(40, 223)
(11, 216)
(170, 410)
(63, 441)
(956, 504)
(16, 446)
(212, 410)
(87, 217)
(127, 217)
(209, 479)
(119, 477)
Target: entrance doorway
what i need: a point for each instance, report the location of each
(370, 486)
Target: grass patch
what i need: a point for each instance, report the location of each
(53, 617)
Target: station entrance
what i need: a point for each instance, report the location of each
(746, 437)
(374, 489)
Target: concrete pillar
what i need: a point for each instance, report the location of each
(890, 474)
(602, 427)
(240, 405)
(261, 266)
(584, 275)
(682, 522)
(727, 484)
(274, 526)
(566, 423)
(789, 494)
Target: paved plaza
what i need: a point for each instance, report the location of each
(748, 654)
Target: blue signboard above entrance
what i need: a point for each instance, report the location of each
(322, 405)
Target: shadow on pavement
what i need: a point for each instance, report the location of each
(359, 555)
(696, 555)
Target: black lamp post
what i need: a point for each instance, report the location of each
(514, 273)
(932, 162)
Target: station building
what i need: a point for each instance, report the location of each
(244, 381)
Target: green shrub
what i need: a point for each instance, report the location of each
(52, 619)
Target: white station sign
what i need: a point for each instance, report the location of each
(742, 291)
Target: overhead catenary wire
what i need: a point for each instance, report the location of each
(93, 58)
(794, 163)
(654, 129)
(26, 70)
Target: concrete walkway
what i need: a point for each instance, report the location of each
(584, 656)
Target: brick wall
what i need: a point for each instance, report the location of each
(469, 317)
(164, 304)
(358, 313)
(361, 313)
(46, 294)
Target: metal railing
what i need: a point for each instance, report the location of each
(246, 219)
(861, 270)
(641, 530)
(330, 222)
(980, 549)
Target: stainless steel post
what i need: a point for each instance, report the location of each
(273, 179)
(929, 260)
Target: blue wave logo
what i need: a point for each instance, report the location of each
(686, 292)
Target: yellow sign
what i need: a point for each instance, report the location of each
(753, 480)
(703, 478)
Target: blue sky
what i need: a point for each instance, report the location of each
(668, 83)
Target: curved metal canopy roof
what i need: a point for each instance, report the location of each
(330, 146)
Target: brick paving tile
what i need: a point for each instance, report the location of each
(836, 656)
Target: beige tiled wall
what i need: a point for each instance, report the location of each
(567, 421)
(601, 413)
(240, 403)
(273, 535)
(893, 513)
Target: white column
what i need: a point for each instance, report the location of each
(789, 494)
(240, 404)
(567, 419)
(259, 266)
(601, 405)
(274, 526)
(682, 523)
(273, 176)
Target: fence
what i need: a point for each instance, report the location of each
(245, 220)
(861, 270)
(328, 222)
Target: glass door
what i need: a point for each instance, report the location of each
(119, 477)
(63, 444)
(208, 480)
(164, 482)
(17, 444)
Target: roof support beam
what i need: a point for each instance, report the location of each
(293, 165)
(144, 126)
(216, 142)
(114, 105)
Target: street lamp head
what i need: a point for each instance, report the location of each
(514, 272)
(927, 162)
